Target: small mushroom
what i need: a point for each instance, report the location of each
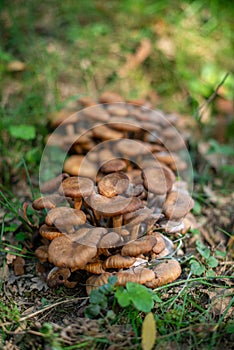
(47, 202)
(110, 97)
(142, 245)
(96, 281)
(65, 218)
(117, 110)
(95, 267)
(76, 188)
(110, 240)
(50, 232)
(113, 165)
(78, 165)
(105, 133)
(166, 272)
(113, 184)
(53, 184)
(96, 113)
(114, 207)
(177, 205)
(63, 252)
(137, 274)
(42, 253)
(118, 262)
(158, 180)
(58, 276)
(134, 219)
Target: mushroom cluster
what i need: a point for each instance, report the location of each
(121, 188)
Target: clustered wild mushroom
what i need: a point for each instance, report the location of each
(106, 212)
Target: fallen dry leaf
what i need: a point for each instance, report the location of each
(148, 335)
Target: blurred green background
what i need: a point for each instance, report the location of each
(174, 53)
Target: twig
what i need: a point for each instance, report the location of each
(212, 96)
(43, 310)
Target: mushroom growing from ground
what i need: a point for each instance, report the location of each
(65, 218)
(77, 188)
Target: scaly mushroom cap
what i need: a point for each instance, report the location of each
(63, 252)
(95, 281)
(113, 184)
(137, 274)
(47, 202)
(63, 217)
(113, 165)
(53, 184)
(158, 180)
(114, 206)
(142, 245)
(76, 187)
(166, 272)
(50, 232)
(118, 262)
(177, 205)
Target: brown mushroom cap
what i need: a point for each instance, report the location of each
(118, 262)
(47, 202)
(113, 184)
(42, 253)
(96, 113)
(53, 184)
(142, 245)
(166, 271)
(177, 205)
(110, 97)
(109, 240)
(76, 187)
(134, 190)
(86, 101)
(76, 165)
(132, 148)
(103, 132)
(135, 176)
(137, 216)
(113, 165)
(118, 110)
(63, 252)
(95, 267)
(114, 206)
(95, 281)
(64, 217)
(50, 232)
(137, 274)
(158, 180)
(58, 276)
(130, 125)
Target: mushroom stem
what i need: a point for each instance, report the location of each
(77, 203)
(134, 232)
(117, 222)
